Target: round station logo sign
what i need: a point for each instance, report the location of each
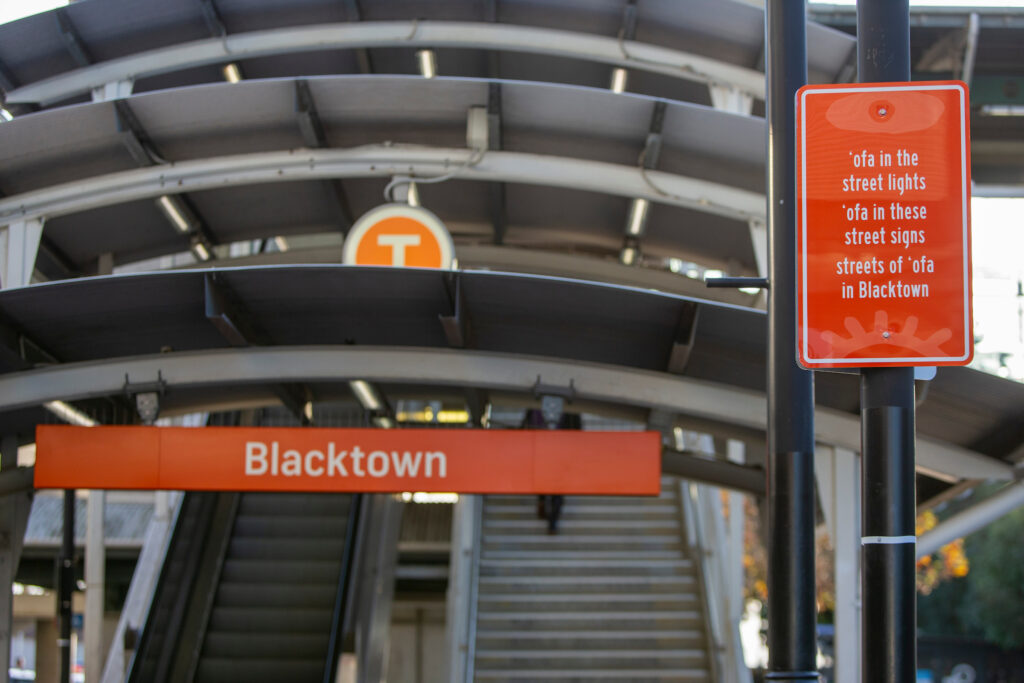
(399, 235)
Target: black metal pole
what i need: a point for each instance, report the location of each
(792, 646)
(66, 586)
(889, 617)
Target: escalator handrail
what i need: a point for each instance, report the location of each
(339, 625)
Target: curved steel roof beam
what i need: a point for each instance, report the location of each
(444, 367)
(393, 34)
(384, 161)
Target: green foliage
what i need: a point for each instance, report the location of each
(994, 602)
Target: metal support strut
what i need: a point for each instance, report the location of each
(889, 618)
(791, 600)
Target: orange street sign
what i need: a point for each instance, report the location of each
(348, 460)
(883, 227)
(399, 235)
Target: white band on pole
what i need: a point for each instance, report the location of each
(887, 540)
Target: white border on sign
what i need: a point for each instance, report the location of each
(968, 332)
(417, 213)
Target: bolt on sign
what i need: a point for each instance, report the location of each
(399, 235)
(883, 225)
(348, 460)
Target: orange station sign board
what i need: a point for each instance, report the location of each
(883, 227)
(399, 235)
(348, 460)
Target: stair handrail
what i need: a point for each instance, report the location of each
(474, 586)
(697, 534)
(339, 623)
(142, 589)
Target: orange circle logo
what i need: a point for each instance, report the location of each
(399, 235)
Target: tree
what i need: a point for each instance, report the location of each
(994, 603)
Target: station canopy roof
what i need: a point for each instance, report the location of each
(539, 168)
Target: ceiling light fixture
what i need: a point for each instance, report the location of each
(201, 251)
(428, 63)
(231, 73)
(6, 115)
(174, 212)
(637, 217)
(628, 255)
(384, 422)
(366, 394)
(281, 243)
(70, 414)
(619, 78)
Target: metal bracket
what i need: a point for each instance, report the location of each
(158, 386)
(456, 326)
(540, 390)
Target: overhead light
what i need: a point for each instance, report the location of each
(384, 422)
(6, 115)
(281, 243)
(423, 497)
(307, 410)
(619, 77)
(413, 195)
(174, 212)
(231, 73)
(200, 250)
(1003, 110)
(637, 217)
(366, 394)
(628, 255)
(428, 63)
(70, 414)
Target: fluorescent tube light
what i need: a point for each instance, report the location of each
(175, 215)
(628, 256)
(428, 63)
(6, 115)
(384, 422)
(282, 243)
(70, 414)
(619, 77)
(201, 251)
(231, 73)
(637, 217)
(413, 195)
(366, 394)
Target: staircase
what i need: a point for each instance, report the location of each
(272, 613)
(612, 596)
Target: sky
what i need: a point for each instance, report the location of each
(997, 230)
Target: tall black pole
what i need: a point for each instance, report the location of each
(66, 586)
(889, 617)
(791, 601)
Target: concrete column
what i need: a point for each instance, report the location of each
(838, 475)
(736, 453)
(95, 578)
(19, 245)
(14, 509)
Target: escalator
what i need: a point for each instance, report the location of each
(253, 588)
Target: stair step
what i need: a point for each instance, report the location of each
(592, 555)
(265, 645)
(581, 526)
(658, 509)
(528, 640)
(603, 583)
(583, 675)
(593, 620)
(291, 526)
(270, 620)
(558, 604)
(284, 571)
(230, 670)
(276, 594)
(602, 501)
(295, 548)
